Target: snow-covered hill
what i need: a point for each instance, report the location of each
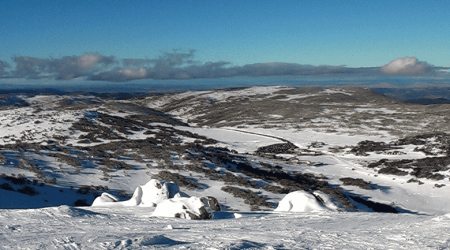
(248, 148)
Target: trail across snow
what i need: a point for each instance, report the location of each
(132, 228)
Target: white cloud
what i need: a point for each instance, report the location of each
(88, 60)
(134, 74)
(406, 66)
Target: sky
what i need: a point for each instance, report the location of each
(124, 41)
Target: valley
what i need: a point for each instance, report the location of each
(372, 157)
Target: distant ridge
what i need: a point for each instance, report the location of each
(33, 91)
(428, 101)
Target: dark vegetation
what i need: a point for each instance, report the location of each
(28, 191)
(370, 146)
(250, 197)
(86, 189)
(6, 186)
(421, 168)
(179, 179)
(19, 180)
(358, 182)
(81, 203)
(375, 206)
(281, 148)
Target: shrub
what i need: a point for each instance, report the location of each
(28, 191)
(348, 181)
(6, 186)
(81, 203)
(20, 180)
(250, 197)
(85, 189)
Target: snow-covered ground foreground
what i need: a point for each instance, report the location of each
(132, 228)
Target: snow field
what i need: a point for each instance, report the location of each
(132, 228)
(301, 221)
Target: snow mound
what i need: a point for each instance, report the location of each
(156, 191)
(106, 200)
(139, 243)
(148, 195)
(300, 201)
(69, 212)
(187, 208)
(167, 198)
(157, 240)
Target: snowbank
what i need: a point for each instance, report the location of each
(148, 195)
(168, 200)
(300, 201)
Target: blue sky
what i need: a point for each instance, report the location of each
(202, 39)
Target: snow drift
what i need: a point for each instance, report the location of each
(168, 200)
(148, 195)
(300, 201)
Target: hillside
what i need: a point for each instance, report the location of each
(248, 148)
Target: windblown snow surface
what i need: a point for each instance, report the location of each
(311, 168)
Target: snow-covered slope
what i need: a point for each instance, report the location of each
(347, 149)
(132, 228)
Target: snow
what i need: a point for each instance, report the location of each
(148, 219)
(156, 191)
(165, 196)
(336, 91)
(181, 207)
(233, 139)
(148, 195)
(300, 201)
(133, 228)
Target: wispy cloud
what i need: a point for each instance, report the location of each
(179, 65)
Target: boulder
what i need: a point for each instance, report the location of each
(187, 208)
(212, 203)
(156, 191)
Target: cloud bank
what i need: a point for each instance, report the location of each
(178, 65)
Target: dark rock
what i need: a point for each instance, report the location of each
(204, 215)
(213, 203)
